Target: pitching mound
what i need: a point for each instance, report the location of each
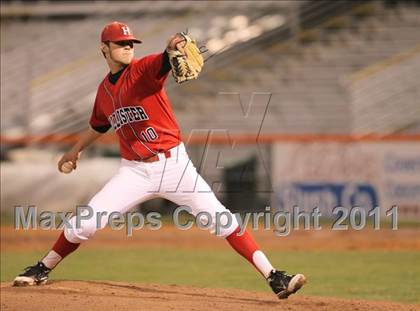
(96, 295)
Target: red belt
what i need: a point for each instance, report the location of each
(155, 157)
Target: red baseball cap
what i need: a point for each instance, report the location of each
(117, 31)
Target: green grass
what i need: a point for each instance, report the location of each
(377, 275)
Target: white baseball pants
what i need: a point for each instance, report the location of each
(174, 178)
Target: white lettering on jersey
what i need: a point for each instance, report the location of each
(125, 115)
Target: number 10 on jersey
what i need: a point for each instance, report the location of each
(149, 134)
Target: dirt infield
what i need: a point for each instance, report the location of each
(76, 295)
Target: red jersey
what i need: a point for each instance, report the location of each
(138, 109)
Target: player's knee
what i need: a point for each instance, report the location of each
(81, 231)
(221, 223)
(226, 223)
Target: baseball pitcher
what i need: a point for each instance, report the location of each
(154, 163)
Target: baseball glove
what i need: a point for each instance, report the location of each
(185, 58)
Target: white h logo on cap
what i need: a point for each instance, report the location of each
(126, 30)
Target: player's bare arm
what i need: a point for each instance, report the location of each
(72, 156)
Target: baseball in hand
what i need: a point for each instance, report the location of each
(67, 167)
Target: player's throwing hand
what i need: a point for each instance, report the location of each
(68, 161)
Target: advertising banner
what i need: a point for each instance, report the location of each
(347, 174)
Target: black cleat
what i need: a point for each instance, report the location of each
(284, 285)
(33, 275)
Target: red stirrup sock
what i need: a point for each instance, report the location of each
(59, 251)
(246, 246)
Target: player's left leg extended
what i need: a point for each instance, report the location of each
(184, 186)
(129, 187)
